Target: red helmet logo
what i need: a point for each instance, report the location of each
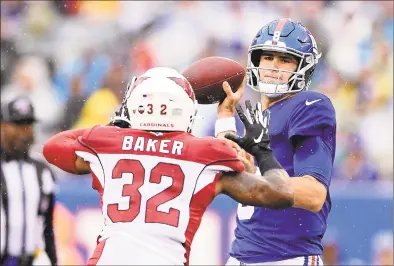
(185, 85)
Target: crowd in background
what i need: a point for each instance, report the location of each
(74, 58)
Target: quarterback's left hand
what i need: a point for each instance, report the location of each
(256, 123)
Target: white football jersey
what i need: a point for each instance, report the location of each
(154, 189)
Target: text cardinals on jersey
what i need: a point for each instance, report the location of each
(164, 125)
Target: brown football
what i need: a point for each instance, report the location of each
(208, 74)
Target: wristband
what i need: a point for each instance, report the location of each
(225, 124)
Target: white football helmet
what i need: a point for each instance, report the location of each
(161, 99)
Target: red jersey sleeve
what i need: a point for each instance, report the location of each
(60, 150)
(219, 155)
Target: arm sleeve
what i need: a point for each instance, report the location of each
(312, 120)
(49, 236)
(313, 157)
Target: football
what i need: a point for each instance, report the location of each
(208, 74)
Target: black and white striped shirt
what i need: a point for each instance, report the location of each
(27, 199)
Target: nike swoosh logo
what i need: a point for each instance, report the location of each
(258, 140)
(312, 102)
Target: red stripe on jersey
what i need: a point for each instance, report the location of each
(279, 29)
(198, 205)
(96, 185)
(98, 251)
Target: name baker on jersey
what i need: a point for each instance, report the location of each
(150, 145)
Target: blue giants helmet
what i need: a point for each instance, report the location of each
(286, 36)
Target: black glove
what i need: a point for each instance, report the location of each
(256, 140)
(256, 124)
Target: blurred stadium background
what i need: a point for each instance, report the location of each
(74, 58)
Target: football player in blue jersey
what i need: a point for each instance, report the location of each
(302, 133)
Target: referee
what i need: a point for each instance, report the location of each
(27, 190)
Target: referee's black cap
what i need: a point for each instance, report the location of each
(18, 111)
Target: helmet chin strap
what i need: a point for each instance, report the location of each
(274, 96)
(273, 91)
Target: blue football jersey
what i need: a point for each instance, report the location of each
(264, 235)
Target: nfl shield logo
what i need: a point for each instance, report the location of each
(141, 109)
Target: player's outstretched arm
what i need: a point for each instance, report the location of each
(273, 190)
(60, 151)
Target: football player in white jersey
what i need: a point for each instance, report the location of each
(155, 179)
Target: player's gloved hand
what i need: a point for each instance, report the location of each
(256, 125)
(121, 117)
(256, 140)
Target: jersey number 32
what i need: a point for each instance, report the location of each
(152, 214)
